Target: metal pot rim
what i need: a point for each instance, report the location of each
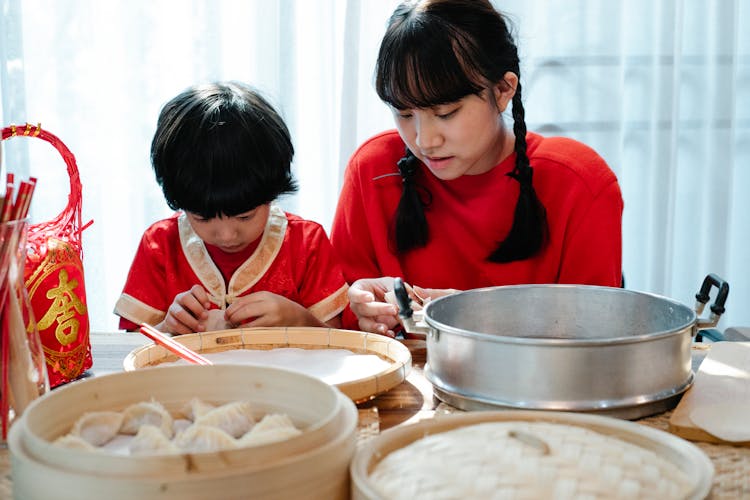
(443, 328)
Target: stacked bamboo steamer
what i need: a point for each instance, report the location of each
(696, 468)
(311, 465)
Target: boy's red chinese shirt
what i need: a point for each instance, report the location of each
(294, 259)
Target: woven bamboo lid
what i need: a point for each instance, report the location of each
(539, 457)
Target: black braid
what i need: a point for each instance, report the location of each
(409, 227)
(529, 231)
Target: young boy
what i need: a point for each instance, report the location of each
(230, 256)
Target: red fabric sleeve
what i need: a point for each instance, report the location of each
(350, 234)
(322, 272)
(146, 273)
(593, 252)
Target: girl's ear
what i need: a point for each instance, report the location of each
(505, 89)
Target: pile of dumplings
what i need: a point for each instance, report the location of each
(147, 428)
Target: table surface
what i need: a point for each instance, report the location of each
(412, 401)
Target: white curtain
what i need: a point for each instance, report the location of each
(660, 89)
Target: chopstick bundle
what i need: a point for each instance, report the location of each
(20, 380)
(25, 380)
(16, 208)
(173, 346)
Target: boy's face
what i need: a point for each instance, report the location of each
(231, 233)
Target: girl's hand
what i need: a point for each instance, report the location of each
(432, 293)
(269, 309)
(188, 312)
(367, 300)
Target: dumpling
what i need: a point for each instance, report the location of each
(234, 418)
(195, 408)
(202, 438)
(272, 428)
(74, 443)
(274, 421)
(146, 412)
(216, 321)
(97, 427)
(151, 440)
(180, 424)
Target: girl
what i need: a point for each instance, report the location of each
(456, 198)
(231, 256)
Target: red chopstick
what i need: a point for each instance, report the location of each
(21, 200)
(21, 209)
(8, 203)
(17, 209)
(4, 381)
(172, 345)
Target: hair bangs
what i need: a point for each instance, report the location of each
(234, 178)
(420, 65)
(216, 193)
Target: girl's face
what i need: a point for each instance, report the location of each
(466, 137)
(231, 233)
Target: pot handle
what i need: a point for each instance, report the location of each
(703, 296)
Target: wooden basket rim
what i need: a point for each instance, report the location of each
(358, 390)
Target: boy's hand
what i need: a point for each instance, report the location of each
(268, 309)
(188, 313)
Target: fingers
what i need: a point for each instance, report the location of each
(378, 317)
(244, 309)
(189, 311)
(194, 301)
(257, 309)
(367, 297)
(367, 290)
(433, 293)
(269, 309)
(201, 295)
(260, 321)
(372, 326)
(375, 309)
(179, 321)
(367, 301)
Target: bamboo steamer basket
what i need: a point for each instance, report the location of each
(686, 456)
(312, 406)
(358, 390)
(312, 465)
(321, 473)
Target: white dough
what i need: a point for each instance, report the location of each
(216, 321)
(202, 438)
(727, 421)
(146, 413)
(195, 408)
(74, 443)
(234, 418)
(333, 366)
(151, 440)
(98, 427)
(272, 428)
(215, 428)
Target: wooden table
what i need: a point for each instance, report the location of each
(412, 401)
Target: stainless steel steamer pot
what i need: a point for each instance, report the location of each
(564, 347)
